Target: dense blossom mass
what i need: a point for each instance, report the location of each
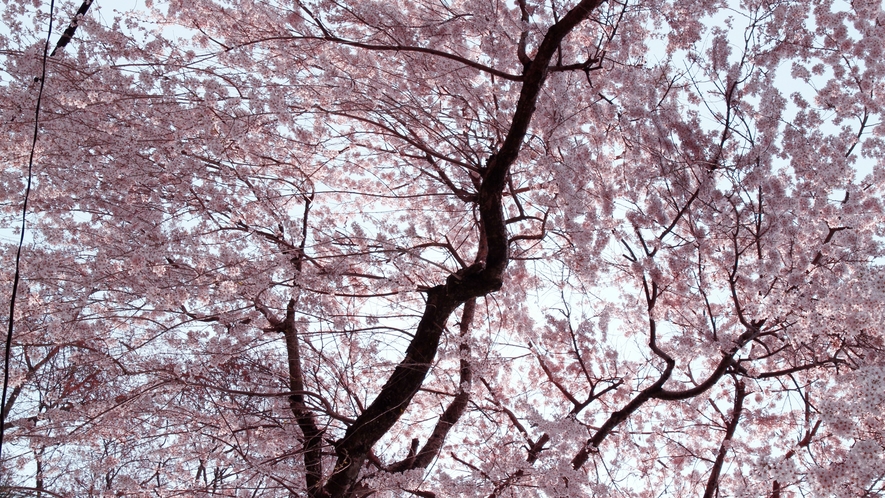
(433, 248)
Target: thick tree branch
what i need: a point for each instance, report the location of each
(646, 394)
(656, 390)
(478, 280)
(313, 436)
(713, 482)
(495, 177)
(456, 407)
(72, 27)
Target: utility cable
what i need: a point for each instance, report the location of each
(21, 240)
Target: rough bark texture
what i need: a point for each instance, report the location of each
(312, 443)
(740, 393)
(442, 300)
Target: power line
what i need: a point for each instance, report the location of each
(21, 241)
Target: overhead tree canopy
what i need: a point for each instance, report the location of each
(445, 248)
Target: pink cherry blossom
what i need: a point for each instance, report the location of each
(458, 248)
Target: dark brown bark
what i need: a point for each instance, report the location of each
(395, 395)
(656, 391)
(72, 27)
(442, 300)
(451, 415)
(312, 446)
(713, 482)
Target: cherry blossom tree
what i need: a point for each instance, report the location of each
(446, 248)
